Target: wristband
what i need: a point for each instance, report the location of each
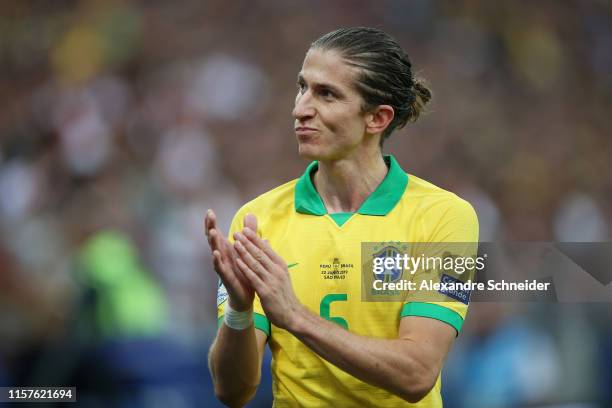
(237, 320)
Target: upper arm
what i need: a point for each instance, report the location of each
(433, 318)
(431, 340)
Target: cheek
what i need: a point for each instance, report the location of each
(341, 121)
(350, 129)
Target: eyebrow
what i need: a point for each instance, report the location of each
(300, 78)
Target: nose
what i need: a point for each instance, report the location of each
(303, 109)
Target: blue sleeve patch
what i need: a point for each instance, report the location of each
(448, 289)
(221, 293)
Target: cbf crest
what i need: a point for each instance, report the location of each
(375, 271)
(393, 274)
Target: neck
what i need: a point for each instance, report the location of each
(346, 183)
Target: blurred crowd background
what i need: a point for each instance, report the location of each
(122, 122)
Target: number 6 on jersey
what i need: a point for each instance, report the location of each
(324, 308)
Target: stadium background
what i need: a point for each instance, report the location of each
(136, 117)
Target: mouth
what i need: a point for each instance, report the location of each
(305, 132)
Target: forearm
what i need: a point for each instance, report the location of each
(234, 364)
(396, 365)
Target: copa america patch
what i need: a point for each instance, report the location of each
(221, 293)
(462, 296)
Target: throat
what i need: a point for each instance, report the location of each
(345, 188)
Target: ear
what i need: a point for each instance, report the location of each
(378, 119)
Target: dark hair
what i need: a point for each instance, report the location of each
(386, 72)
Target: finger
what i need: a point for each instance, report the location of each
(251, 261)
(220, 267)
(264, 246)
(217, 237)
(207, 221)
(230, 277)
(209, 237)
(207, 229)
(213, 238)
(211, 219)
(240, 275)
(255, 251)
(210, 224)
(251, 276)
(250, 221)
(219, 243)
(213, 222)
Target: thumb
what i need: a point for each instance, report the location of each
(250, 221)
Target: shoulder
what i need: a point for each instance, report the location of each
(277, 201)
(437, 201)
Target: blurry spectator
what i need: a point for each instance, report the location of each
(580, 220)
(126, 301)
(227, 88)
(501, 361)
(186, 160)
(120, 351)
(18, 189)
(577, 340)
(489, 219)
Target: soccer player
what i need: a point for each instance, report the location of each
(290, 272)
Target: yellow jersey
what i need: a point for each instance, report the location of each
(324, 255)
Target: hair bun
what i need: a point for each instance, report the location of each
(422, 92)
(421, 96)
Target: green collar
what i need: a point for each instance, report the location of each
(380, 202)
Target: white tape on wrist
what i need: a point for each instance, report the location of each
(237, 320)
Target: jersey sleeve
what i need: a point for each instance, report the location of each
(260, 320)
(454, 239)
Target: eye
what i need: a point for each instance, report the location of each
(301, 86)
(326, 93)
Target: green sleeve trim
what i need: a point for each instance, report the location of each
(260, 321)
(433, 311)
